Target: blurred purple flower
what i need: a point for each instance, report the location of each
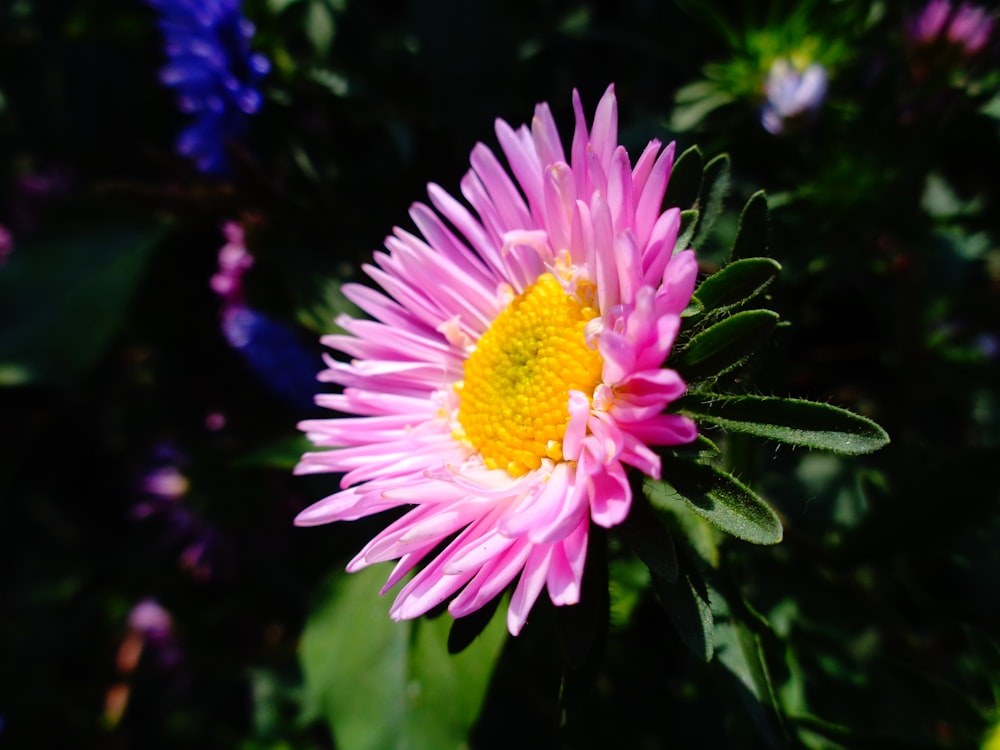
(272, 349)
(203, 548)
(6, 244)
(215, 74)
(930, 23)
(971, 28)
(792, 95)
(966, 28)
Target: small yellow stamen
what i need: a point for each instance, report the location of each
(514, 398)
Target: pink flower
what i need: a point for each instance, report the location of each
(513, 369)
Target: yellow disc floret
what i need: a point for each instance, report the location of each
(514, 399)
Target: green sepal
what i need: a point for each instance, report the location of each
(719, 498)
(737, 283)
(715, 187)
(725, 345)
(685, 179)
(649, 539)
(751, 236)
(788, 420)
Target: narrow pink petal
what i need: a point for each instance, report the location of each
(659, 245)
(611, 496)
(644, 166)
(560, 579)
(618, 356)
(604, 134)
(606, 272)
(628, 262)
(620, 190)
(528, 587)
(501, 189)
(665, 429)
(581, 138)
(649, 198)
(519, 149)
(546, 136)
(576, 429)
(678, 280)
(491, 579)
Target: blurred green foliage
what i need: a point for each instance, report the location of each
(874, 623)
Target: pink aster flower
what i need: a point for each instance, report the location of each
(512, 371)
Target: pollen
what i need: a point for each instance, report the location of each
(514, 399)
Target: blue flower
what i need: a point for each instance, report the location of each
(215, 74)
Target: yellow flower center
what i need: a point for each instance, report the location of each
(514, 401)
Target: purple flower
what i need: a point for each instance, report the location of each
(966, 28)
(792, 95)
(272, 349)
(213, 71)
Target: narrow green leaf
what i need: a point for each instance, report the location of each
(687, 604)
(737, 283)
(643, 531)
(320, 26)
(715, 188)
(751, 236)
(64, 295)
(685, 179)
(789, 420)
(719, 498)
(987, 657)
(384, 685)
(725, 345)
(689, 222)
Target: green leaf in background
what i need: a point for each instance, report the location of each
(687, 604)
(694, 102)
(717, 497)
(741, 650)
(64, 295)
(715, 187)
(320, 26)
(384, 685)
(685, 179)
(751, 235)
(789, 420)
(737, 283)
(725, 345)
(649, 539)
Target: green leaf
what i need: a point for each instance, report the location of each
(689, 222)
(737, 283)
(725, 345)
(694, 102)
(987, 658)
(715, 187)
(687, 605)
(717, 497)
(63, 297)
(643, 531)
(788, 420)
(685, 179)
(751, 236)
(283, 454)
(384, 685)
(320, 26)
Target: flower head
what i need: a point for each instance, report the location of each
(210, 65)
(513, 369)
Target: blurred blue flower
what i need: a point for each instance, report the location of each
(215, 74)
(792, 94)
